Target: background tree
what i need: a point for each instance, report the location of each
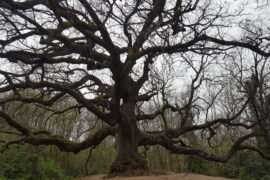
(104, 56)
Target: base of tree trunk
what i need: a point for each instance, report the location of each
(131, 165)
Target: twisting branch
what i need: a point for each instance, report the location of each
(163, 140)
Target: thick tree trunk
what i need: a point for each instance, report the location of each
(128, 161)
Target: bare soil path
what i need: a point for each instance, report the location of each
(171, 176)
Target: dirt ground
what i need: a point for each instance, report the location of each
(171, 176)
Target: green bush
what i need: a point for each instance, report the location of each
(247, 166)
(198, 165)
(2, 177)
(16, 164)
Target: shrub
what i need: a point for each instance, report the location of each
(247, 166)
(16, 164)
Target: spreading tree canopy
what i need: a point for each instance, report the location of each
(153, 72)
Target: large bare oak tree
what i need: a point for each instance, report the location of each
(116, 59)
